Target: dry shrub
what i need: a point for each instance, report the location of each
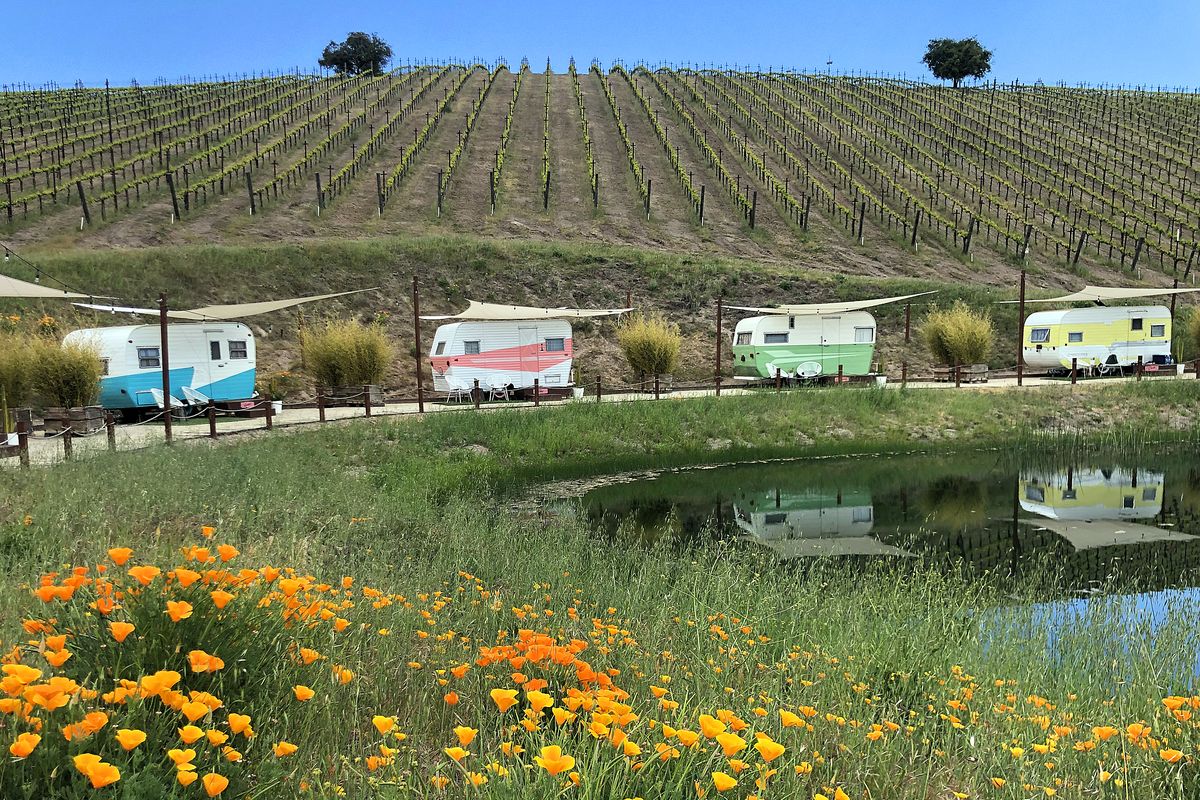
(650, 342)
(65, 375)
(958, 335)
(16, 369)
(346, 353)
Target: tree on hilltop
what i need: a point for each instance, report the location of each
(361, 52)
(955, 59)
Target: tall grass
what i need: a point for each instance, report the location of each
(66, 375)
(346, 353)
(958, 335)
(650, 343)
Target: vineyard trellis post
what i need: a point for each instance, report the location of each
(165, 361)
(701, 204)
(320, 196)
(250, 191)
(174, 198)
(379, 190)
(649, 184)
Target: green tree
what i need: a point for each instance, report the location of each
(955, 59)
(361, 52)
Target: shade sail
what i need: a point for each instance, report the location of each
(497, 312)
(1090, 534)
(222, 312)
(11, 287)
(1099, 294)
(833, 307)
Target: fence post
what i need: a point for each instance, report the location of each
(416, 303)
(841, 375)
(957, 376)
(367, 399)
(717, 366)
(270, 414)
(903, 374)
(23, 443)
(1139, 368)
(907, 322)
(475, 393)
(597, 388)
(68, 447)
(211, 411)
(110, 427)
(537, 393)
(656, 395)
(778, 380)
(1074, 371)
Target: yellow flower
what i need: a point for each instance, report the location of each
(383, 724)
(193, 711)
(181, 757)
(103, 774)
(130, 738)
(214, 784)
(465, 735)
(303, 693)
(711, 726)
(998, 783)
(24, 745)
(284, 749)
(723, 782)
(553, 760)
(477, 779)
(768, 748)
(731, 743)
(186, 778)
(120, 630)
(439, 782)
(190, 733)
(240, 723)
(1170, 756)
(539, 701)
(504, 698)
(457, 753)
(178, 610)
(220, 597)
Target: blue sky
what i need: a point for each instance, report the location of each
(1149, 43)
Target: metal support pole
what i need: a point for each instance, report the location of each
(270, 417)
(841, 374)
(165, 360)
(597, 388)
(1074, 371)
(1021, 333)
(23, 443)
(68, 448)
(320, 404)
(537, 393)
(717, 368)
(366, 399)
(907, 323)
(1139, 368)
(211, 411)
(957, 376)
(417, 343)
(110, 427)
(475, 394)
(656, 385)
(778, 380)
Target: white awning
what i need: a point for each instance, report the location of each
(11, 287)
(222, 312)
(1090, 534)
(497, 312)
(832, 307)
(1099, 294)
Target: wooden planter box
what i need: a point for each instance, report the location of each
(971, 373)
(81, 419)
(341, 396)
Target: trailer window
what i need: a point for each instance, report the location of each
(1039, 336)
(238, 350)
(775, 338)
(441, 348)
(862, 514)
(864, 335)
(1035, 493)
(471, 348)
(1075, 337)
(791, 323)
(148, 357)
(1158, 331)
(775, 519)
(556, 345)
(1149, 494)
(215, 350)
(743, 338)
(1136, 323)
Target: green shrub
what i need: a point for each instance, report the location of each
(66, 375)
(958, 335)
(650, 343)
(1192, 337)
(346, 353)
(16, 369)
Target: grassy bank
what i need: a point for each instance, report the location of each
(876, 686)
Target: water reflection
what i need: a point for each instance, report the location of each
(1088, 522)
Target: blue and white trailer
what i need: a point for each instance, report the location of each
(214, 360)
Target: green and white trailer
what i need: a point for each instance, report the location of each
(809, 342)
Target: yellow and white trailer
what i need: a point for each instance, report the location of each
(1100, 339)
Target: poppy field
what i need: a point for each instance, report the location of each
(364, 612)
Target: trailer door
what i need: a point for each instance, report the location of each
(217, 359)
(831, 344)
(530, 345)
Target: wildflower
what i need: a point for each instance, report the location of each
(190, 733)
(178, 610)
(790, 720)
(465, 735)
(457, 753)
(1104, 732)
(383, 724)
(103, 774)
(1170, 756)
(186, 577)
(303, 693)
(216, 738)
(284, 749)
(227, 552)
(24, 745)
(450, 698)
(57, 659)
(710, 726)
(439, 782)
(504, 698)
(193, 710)
(998, 783)
(539, 701)
(214, 784)
(185, 777)
(220, 598)
(731, 743)
(687, 738)
(144, 574)
(120, 630)
(477, 779)
(240, 723)
(180, 757)
(203, 662)
(723, 782)
(120, 555)
(130, 738)
(207, 531)
(553, 761)
(768, 749)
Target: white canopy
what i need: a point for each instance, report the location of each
(817, 309)
(495, 311)
(1099, 294)
(222, 312)
(1089, 534)
(11, 287)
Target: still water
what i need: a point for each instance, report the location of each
(1095, 521)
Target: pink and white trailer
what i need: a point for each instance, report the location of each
(506, 346)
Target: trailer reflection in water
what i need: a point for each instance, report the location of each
(1090, 524)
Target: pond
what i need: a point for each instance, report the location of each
(1098, 521)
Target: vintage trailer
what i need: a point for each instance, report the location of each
(501, 353)
(1100, 338)
(805, 346)
(213, 359)
(811, 523)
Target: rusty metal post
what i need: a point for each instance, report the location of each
(367, 399)
(656, 395)
(1021, 334)
(1139, 368)
(537, 393)
(907, 322)
(23, 443)
(110, 427)
(68, 447)
(475, 393)
(320, 404)
(1074, 371)
(778, 380)
(841, 375)
(165, 359)
(270, 415)
(211, 411)
(417, 343)
(717, 368)
(597, 388)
